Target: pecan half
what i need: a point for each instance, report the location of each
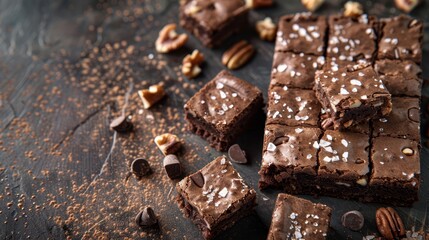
(152, 95)
(389, 223)
(353, 9)
(238, 55)
(168, 39)
(407, 5)
(312, 5)
(266, 29)
(259, 3)
(191, 64)
(168, 143)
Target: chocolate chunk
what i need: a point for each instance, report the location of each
(146, 218)
(140, 167)
(414, 114)
(172, 166)
(237, 155)
(198, 179)
(353, 220)
(121, 124)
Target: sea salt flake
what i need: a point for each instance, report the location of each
(355, 82)
(344, 142)
(223, 192)
(271, 147)
(343, 91)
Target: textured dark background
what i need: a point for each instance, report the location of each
(68, 67)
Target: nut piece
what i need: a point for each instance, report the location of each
(152, 95)
(238, 55)
(408, 151)
(362, 182)
(389, 223)
(191, 64)
(259, 3)
(266, 29)
(168, 40)
(407, 5)
(312, 5)
(353, 9)
(168, 143)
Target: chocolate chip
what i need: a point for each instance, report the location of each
(121, 124)
(146, 218)
(172, 166)
(198, 179)
(414, 115)
(281, 140)
(140, 167)
(353, 220)
(236, 154)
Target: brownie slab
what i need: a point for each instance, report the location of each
(289, 158)
(400, 38)
(215, 197)
(352, 95)
(402, 122)
(298, 218)
(301, 33)
(395, 172)
(401, 77)
(292, 107)
(213, 21)
(295, 70)
(222, 109)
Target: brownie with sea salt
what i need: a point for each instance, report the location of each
(215, 197)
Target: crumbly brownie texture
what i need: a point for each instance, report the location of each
(215, 197)
(298, 218)
(295, 70)
(301, 33)
(222, 109)
(213, 21)
(395, 172)
(402, 122)
(401, 77)
(352, 95)
(351, 38)
(400, 38)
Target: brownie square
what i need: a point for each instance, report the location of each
(215, 197)
(222, 109)
(298, 218)
(289, 158)
(401, 77)
(402, 122)
(343, 163)
(395, 177)
(292, 107)
(301, 33)
(400, 38)
(295, 70)
(351, 38)
(352, 95)
(213, 21)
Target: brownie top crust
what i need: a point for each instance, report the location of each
(215, 191)
(222, 100)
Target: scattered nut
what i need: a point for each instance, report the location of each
(362, 182)
(389, 223)
(168, 143)
(407, 5)
(408, 151)
(348, 123)
(238, 55)
(168, 40)
(266, 29)
(356, 104)
(152, 95)
(353, 9)
(259, 3)
(312, 5)
(191, 64)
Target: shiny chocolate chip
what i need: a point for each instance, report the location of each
(172, 166)
(414, 115)
(146, 218)
(198, 179)
(353, 220)
(140, 168)
(121, 124)
(236, 154)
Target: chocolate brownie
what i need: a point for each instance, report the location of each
(213, 21)
(343, 163)
(352, 95)
(295, 70)
(395, 171)
(301, 33)
(222, 109)
(298, 218)
(215, 197)
(292, 107)
(400, 38)
(402, 122)
(351, 38)
(289, 158)
(362, 127)
(401, 77)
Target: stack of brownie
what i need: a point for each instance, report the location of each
(343, 111)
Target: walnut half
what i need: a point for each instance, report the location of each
(407, 5)
(152, 95)
(312, 5)
(168, 39)
(168, 143)
(353, 9)
(191, 64)
(266, 29)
